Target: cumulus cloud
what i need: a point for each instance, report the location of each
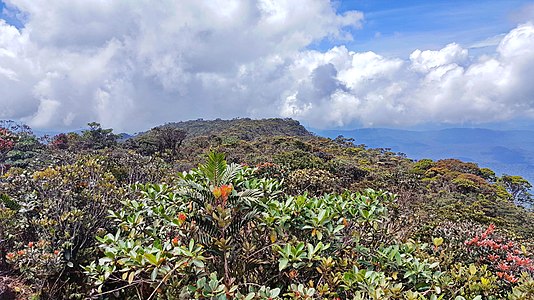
(445, 86)
(134, 64)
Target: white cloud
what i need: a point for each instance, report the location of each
(134, 64)
(443, 86)
(424, 61)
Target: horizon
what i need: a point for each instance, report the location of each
(337, 64)
(433, 128)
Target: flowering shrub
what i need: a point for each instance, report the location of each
(506, 258)
(220, 219)
(62, 207)
(36, 260)
(7, 142)
(276, 231)
(222, 233)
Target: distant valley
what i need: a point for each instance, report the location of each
(506, 152)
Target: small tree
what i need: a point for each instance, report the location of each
(98, 138)
(162, 139)
(519, 188)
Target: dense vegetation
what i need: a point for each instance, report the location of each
(253, 209)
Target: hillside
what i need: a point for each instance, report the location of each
(243, 128)
(504, 151)
(166, 213)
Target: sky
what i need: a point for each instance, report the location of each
(132, 65)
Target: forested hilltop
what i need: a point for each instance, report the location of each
(253, 209)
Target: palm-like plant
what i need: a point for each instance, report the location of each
(224, 206)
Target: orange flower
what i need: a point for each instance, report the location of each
(223, 191)
(182, 217)
(293, 274)
(523, 262)
(10, 255)
(510, 278)
(30, 244)
(56, 252)
(217, 192)
(175, 241)
(21, 252)
(226, 190)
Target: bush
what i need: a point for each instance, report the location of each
(56, 209)
(222, 233)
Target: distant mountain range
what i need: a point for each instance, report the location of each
(505, 151)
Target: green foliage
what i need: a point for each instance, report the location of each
(24, 151)
(421, 166)
(98, 138)
(315, 181)
(519, 188)
(61, 207)
(299, 159)
(178, 239)
(144, 223)
(163, 140)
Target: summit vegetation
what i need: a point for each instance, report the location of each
(253, 209)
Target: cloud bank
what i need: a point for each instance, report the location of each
(134, 64)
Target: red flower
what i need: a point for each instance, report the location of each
(503, 267)
(472, 241)
(30, 244)
(10, 255)
(175, 240)
(491, 229)
(493, 257)
(524, 262)
(21, 252)
(56, 252)
(182, 217)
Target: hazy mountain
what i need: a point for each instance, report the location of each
(504, 151)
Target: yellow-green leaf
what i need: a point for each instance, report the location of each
(472, 269)
(131, 277)
(437, 241)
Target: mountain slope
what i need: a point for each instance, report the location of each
(507, 152)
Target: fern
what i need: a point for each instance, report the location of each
(214, 169)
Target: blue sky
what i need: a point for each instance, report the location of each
(8, 16)
(329, 64)
(396, 28)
